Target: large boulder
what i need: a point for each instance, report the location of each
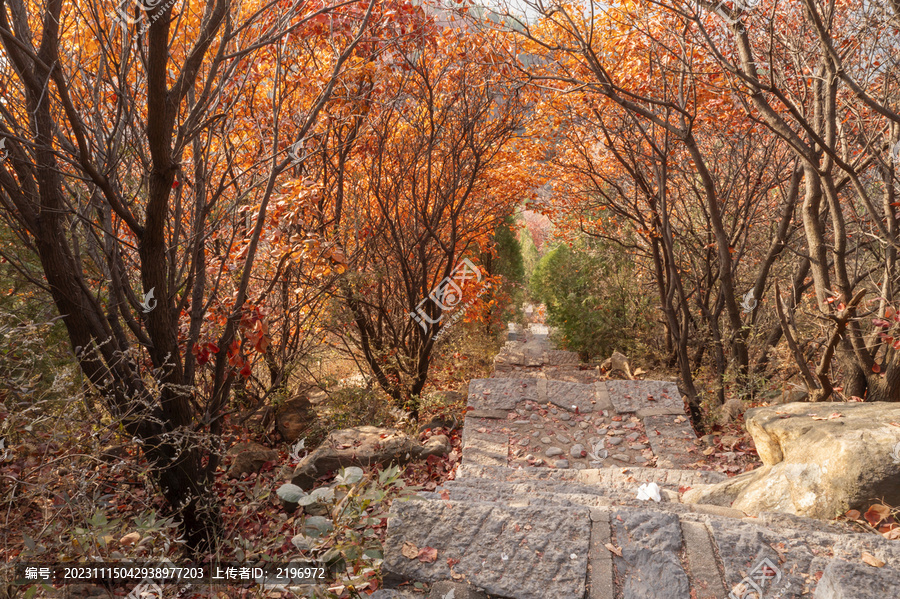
(820, 459)
(294, 417)
(363, 446)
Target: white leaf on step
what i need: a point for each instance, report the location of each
(649, 491)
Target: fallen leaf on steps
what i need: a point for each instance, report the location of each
(872, 560)
(614, 549)
(427, 555)
(409, 550)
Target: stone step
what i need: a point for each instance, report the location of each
(552, 494)
(623, 478)
(537, 551)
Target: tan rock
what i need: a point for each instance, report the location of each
(820, 460)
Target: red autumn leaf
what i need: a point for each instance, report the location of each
(876, 368)
(427, 554)
(877, 513)
(853, 514)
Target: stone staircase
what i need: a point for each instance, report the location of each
(545, 504)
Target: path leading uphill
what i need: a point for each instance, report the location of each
(545, 504)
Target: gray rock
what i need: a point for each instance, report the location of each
(359, 446)
(854, 580)
(394, 594)
(651, 545)
(546, 440)
(446, 589)
(621, 457)
(294, 418)
(583, 425)
(437, 445)
(561, 464)
(523, 442)
(632, 436)
(637, 446)
(577, 451)
(538, 562)
(732, 409)
(553, 451)
(563, 439)
(249, 458)
(614, 441)
(602, 431)
(640, 460)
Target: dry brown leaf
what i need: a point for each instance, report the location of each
(130, 539)
(893, 534)
(709, 451)
(853, 514)
(427, 555)
(614, 549)
(877, 513)
(409, 550)
(872, 560)
(454, 575)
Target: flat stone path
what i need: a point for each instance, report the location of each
(545, 504)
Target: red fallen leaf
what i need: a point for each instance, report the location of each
(876, 368)
(427, 555)
(683, 489)
(834, 415)
(650, 398)
(451, 562)
(853, 514)
(877, 513)
(616, 418)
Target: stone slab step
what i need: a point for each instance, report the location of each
(631, 396)
(600, 477)
(544, 551)
(524, 553)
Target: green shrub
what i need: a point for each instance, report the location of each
(593, 298)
